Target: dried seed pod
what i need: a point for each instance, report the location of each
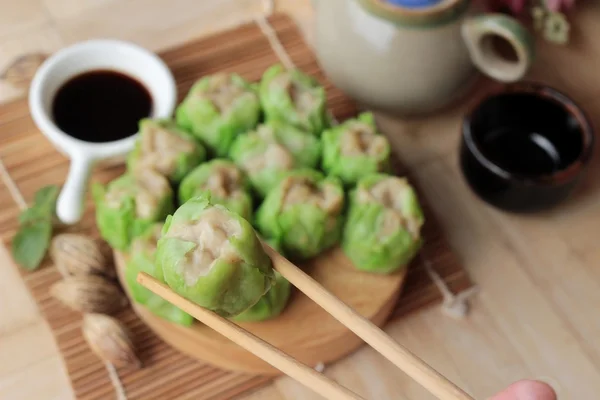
(109, 339)
(89, 293)
(76, 255)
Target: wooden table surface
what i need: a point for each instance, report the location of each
(537, 313)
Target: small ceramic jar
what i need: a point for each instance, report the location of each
(411, 59)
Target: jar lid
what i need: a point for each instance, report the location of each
(413, 3)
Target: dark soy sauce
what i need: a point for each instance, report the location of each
(531, 137)
(527, 134)
(101, 106)
(522, 152)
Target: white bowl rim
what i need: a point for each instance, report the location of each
(69, 144)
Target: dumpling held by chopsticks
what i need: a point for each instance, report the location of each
(213, 257)
(271, 304)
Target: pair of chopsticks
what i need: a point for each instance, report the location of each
(413, 366)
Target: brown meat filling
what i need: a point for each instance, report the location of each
(210, 233)
(161, 148)
(225, 182)
(274, 156)
(360, 139)
(299, 190)
(303, 99)
(390, 193)
(149, 189)
(222, 92)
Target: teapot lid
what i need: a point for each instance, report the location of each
(413, 3)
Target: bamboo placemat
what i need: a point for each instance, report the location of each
(29, 161)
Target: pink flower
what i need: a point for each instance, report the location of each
(560, 5)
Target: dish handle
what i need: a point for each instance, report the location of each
(69, 207)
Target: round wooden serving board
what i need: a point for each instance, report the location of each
(304, 330)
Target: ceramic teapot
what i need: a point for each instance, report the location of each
(416, 57)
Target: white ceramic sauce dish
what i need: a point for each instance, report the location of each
(113, 55)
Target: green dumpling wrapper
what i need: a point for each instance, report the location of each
(141, 259)
(304, 213)
(383, 230)
(217, 109)
(167, 149)
(224, 181)
(213, 257)
(294, 98)
(271, 304)
(273, 149)
(354, 149)
(131, 204)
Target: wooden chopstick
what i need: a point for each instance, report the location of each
(277, 358)
(413, 366)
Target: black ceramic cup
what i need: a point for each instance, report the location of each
(525, 147)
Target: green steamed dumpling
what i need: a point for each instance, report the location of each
(295, 98)
(271, 304)
(141, 259)
(167, 149)
(303, 212)
(217, 109)
(274, 301)
(130, 205)
(273, 149)
(213, 257)
(354, 149)
(225, 182)
(383, 230)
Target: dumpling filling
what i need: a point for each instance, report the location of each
(275, 155)
(391, 193)
(225, 182)
(222, 92)
(300, 190)
(211, 234)
(149, 189)
(161, 148)
(304, 101)
(360, 139)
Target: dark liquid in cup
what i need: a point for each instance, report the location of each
(531, 138)
(527, 135)
(101, 106)
(522, 152)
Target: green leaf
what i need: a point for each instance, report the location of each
(33, 214)
(45, 198)
(43, 207)
(31, 242)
